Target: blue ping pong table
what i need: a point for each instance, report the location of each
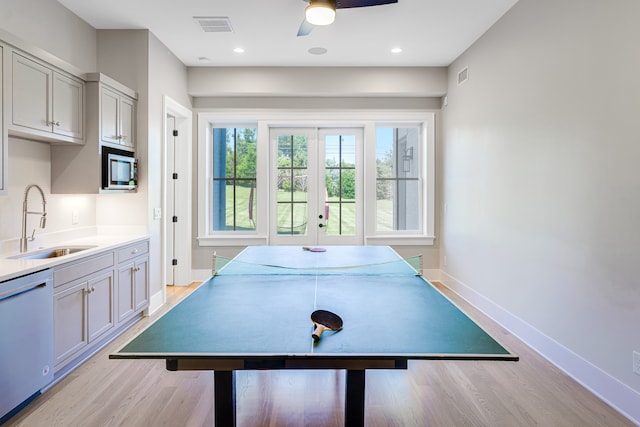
(254, 313)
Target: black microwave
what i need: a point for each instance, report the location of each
(119, 170)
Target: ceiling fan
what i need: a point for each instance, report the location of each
(322, 12)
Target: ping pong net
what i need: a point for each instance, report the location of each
(222, 266)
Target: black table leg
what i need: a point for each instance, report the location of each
(224, 390)
(354, 399)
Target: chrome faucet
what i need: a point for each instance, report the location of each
(25, 212)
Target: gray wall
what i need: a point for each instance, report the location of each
(44, 27)
(318, 81)
(289, 89)
(52, 27)
(541, 182)
(137, 59)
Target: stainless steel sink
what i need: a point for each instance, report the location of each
(54, 252)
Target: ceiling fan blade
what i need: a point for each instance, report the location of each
(305, 28)
(346, 4)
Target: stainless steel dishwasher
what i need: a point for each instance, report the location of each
(26, 339)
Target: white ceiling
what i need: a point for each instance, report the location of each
(430, 32)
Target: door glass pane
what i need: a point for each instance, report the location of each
(292, 184)
(397, 197)
(340, 184)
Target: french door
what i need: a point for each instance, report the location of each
(316, 186)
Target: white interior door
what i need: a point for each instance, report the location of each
(316, 186)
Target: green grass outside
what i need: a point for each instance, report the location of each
(384, 209)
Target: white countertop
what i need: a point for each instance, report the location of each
(11, 268)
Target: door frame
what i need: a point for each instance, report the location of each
(183, 123)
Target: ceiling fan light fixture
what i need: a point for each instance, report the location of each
(320, 12)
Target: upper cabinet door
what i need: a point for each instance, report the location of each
(68, 106)
(127, 122)
(31, 103)
(109, 129)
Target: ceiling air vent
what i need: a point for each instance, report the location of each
(214, 24)
(463, 75)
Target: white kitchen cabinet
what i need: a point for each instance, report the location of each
(83, 312)
(116, 113)
(117, 119)
(84, 309)
(45, 104)
(95, 298)
(133, 280)
(111, 118)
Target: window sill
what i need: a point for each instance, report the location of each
(207, 241)
(400, 240)
(245, 240)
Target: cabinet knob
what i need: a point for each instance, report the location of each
(135, 251)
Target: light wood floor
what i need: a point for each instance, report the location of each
(530, 392)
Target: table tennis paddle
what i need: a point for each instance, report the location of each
(325, 320)
(310, 249)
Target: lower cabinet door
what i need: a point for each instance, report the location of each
(133, 287)
(69, 313)
(126, 296)
(141, 283)
(100, 311)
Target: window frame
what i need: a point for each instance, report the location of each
(368, 120)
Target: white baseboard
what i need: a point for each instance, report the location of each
(155, 302)
(200, 275)
(431, 275)
(618, 395)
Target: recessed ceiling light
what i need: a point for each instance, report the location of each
(204, 59)
(238, 50)
(396, 50)
(317, 51)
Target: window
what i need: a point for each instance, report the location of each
(398, 198)
(233, 161)
(252, 186)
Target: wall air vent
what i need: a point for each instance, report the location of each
(463, 75)
(214, 24)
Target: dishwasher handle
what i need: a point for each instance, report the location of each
(21, 290)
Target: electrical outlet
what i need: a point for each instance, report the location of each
(157, 213)
(445, 260)
(636, 362)
(74, 217)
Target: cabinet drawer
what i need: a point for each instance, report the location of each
(80, 269)
(133, 251)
